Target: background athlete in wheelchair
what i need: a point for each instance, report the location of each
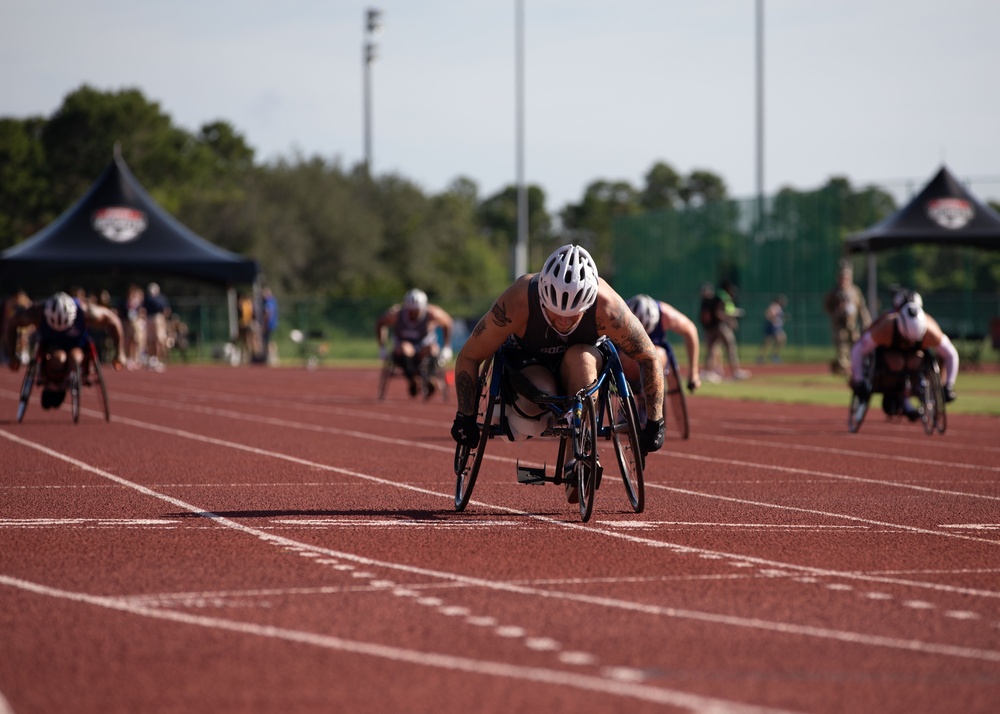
(415, 348)
(901, 356)
(544, 362)
(64, 356)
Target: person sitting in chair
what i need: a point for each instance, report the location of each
(415, 325)
(62, 323)
(549, 324)
(899, 340)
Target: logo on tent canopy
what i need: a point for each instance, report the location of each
(950, 212)
(119, 224)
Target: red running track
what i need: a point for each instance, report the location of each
(277, 540)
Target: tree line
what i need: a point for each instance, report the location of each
(318, 227)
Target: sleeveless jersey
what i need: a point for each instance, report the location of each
(416, 331)
(540, 338)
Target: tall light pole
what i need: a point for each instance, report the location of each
(373, 23)
(521, 247)
(760, 116)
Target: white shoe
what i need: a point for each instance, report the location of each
(741, 374)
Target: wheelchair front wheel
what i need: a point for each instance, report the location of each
(624, 422)
(585, 451)
(26, 387)
(469, 459)
(74, 392)
(856, 415)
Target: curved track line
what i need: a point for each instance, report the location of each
(418, 658)
(752, 623)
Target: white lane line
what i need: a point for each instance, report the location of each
(826, 514)
(612, 686)
(257, 418)
(499, 586)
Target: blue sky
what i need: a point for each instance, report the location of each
(875, 90)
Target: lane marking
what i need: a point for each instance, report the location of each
(605, 685)
(910, 645)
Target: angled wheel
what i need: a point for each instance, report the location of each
(585, 450)
(623, 421)
(384, 376)
(26, 387)
(104, 390)
(859, 407)
(932, 397)
(857, 412)
(674, 394)
(74, 392)
(469, 459)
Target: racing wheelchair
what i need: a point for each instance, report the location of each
(922, 384)
(430, 371)
(604, 410)
(77, 377)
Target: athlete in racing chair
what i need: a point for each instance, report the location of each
(898, 340)
(415, 350)
(658, 318)
(63, 340)
(549, 324)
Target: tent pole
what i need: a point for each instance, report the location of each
(231, 304)
(873, 307)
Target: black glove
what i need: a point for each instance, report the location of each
(949, 394)
(691, 385)
(651, 436)
(862, 391)
(465, 430)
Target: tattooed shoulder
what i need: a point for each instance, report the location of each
(500, 318)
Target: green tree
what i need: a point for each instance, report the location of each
(24, 204)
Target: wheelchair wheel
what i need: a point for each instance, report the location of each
(74, 392)
(859, 407)
(624, 424)
(384, 376)
(469, 459)
(585, 450)
(933, 416)
(856, 415)
(26, 387)
(676, 398)
(100, 383)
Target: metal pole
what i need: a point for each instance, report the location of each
(368, 106)
(760, 113)
(373, 23)
(521, 248)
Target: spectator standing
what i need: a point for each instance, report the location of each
(719, 318)
(849, 316)
(269, 323)
(134, 322)
(157, 312)
(774, 330)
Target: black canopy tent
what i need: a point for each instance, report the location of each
(943, 213)
(118, 227)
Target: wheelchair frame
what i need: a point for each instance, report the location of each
(604, 410)
(391, 370)
(923, 383)
(74, 380)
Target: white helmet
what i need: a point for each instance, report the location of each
(415, 299)
(60, 312)
(645, 308)
(912, 322)
(901, 296)
(567, 285)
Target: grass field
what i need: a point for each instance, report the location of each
(978, 390)
(803, 378)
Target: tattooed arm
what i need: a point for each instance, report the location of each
(508, 316)
(615, 320)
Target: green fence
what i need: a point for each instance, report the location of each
(793, 249)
